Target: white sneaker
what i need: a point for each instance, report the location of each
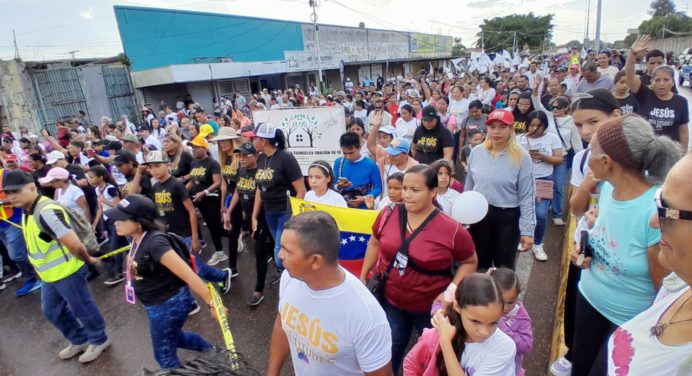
(539, 253)
(558, 222)
(561, 367)
(241, 245)
(72, 350)
(93, 351)
(217, 257)
(194, 310)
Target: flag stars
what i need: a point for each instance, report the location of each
(344, 241)
(361, 239)
(352, 238)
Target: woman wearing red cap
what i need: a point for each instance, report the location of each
(502, 171)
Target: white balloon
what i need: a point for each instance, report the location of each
(470, 207)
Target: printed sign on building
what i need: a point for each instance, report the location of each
(311, 133)
(298, 61)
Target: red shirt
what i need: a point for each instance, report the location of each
(415, 292)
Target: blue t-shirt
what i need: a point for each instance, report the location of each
(618, 283)
(363, 175)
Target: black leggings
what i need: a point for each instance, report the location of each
(237, 225)
(590, 340)
(496, 238)
(264, 245)
(210, 208)
(573, 275)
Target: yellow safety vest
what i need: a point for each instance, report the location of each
(52, 260)
(6, 211)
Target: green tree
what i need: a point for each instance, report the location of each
(498, 33)
(661, 8)
(675, 22)
(458, 48)
(574, 43)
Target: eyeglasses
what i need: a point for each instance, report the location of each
(667, 214)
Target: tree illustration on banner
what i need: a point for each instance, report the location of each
(301, 130)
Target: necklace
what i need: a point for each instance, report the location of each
(658, 329)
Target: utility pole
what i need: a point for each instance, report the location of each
(482, 42)
(16, 48)
(72, 53)
(597, 46)
(313, 18)
(588, 21)
(514, 43)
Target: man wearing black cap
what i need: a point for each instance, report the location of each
(432, 141)
(58, 256)
(137, 179)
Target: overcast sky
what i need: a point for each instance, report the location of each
(51, 29)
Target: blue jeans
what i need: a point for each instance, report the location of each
(560, 180)
(68, 300)
(402, 322)
(13, 239)
(541, 216)
(166, 322)
(276, 222)
(205, 271)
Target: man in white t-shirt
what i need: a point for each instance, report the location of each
(328, 320)
(149, 139)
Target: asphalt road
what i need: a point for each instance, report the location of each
(29, 343)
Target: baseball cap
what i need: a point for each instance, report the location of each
(54, 156)
(133, 206)
(156, 156)
(226, 133)
(199, 141)
(144, 127)
(388, 129)
(429, 113)
(502, 115)
(398, 146)
(16, 180)
(247, 148)
(205, 130)
(55, 173)
(10, 158)
(124, 156)
(263, 130)
(130, 138)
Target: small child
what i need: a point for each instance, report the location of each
(320, 178)
(467, 331)
(516, 322)
(502, 103)
(445, 194)
(476, 137)
(627, 101)
(395, 189)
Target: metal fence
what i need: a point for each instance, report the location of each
(59, 94)
(121, 94)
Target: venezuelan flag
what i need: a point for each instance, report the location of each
(355, 226)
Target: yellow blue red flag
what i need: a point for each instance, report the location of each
(355, 226)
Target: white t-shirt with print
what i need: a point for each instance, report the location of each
(405, 129)
(447, 199)
(459, 108)
(632, 351)
(493, 357)
(339, 331)
(330, 198)
(69, 196)
(545, 144)
(580, 166)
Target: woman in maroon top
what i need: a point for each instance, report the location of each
(439, 244)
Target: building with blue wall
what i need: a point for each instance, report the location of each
(175, 52)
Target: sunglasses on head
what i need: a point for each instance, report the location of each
(667, 213)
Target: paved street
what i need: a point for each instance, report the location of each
(29, 344)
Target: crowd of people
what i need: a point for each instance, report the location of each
(410, 148)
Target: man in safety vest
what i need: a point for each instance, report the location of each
(58, 256)
(11, 237)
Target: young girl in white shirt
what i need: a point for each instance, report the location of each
(465, 339)
(395, 193)
(445, 194)
(320, 178)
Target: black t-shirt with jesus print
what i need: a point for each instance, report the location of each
(275, 176)
(153, 282)
(229, 173)
(429, 144)
(169, 196)
(202, 174)
(246, 189)
(664, 116)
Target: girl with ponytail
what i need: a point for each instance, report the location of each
(467, 331)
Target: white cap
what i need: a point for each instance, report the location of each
(54, 156)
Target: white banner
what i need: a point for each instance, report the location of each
(297, 61)
(311, 133)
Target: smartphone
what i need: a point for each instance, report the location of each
(584, 244)
(342, 178)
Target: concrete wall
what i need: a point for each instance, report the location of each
(16, 98)
(673, 44)
(357, 44)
